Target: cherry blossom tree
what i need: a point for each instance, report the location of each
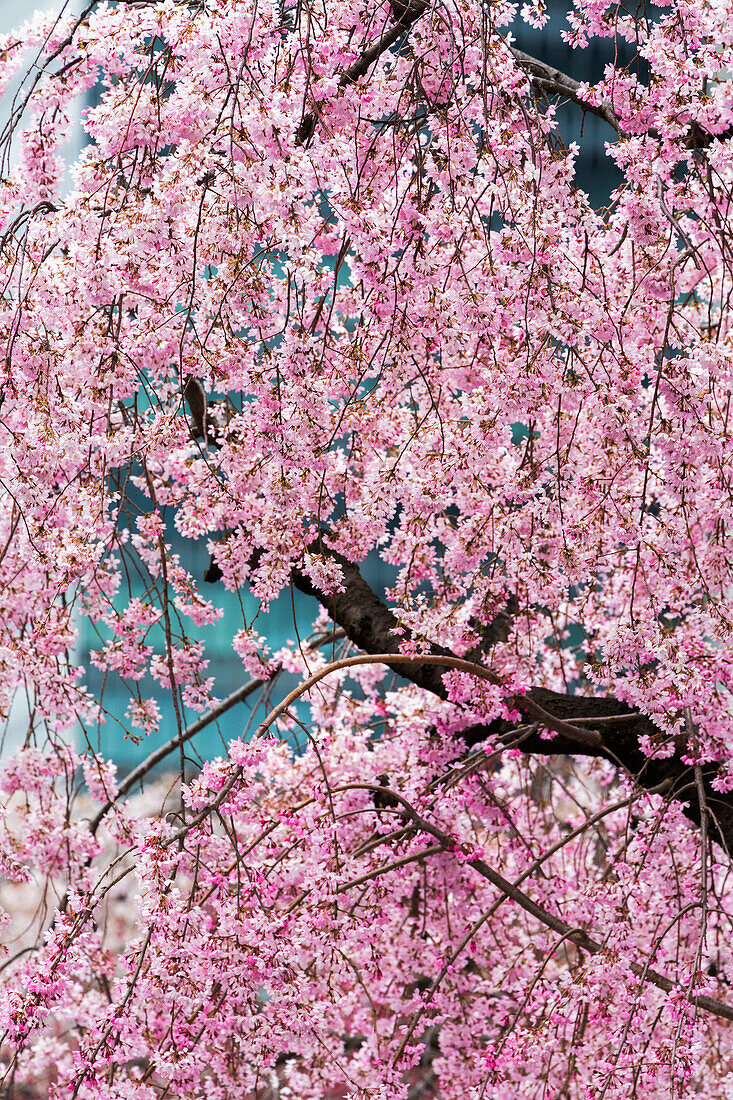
(325, 288)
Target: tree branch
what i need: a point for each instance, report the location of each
(373, 628)
(578, 936)
(545, 78)
(407, 14)
(554, 82)
(157, 755)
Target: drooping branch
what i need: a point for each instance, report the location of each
(39, 69)
(578, 936)
(240, 695)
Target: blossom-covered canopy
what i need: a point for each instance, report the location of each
(324, 286)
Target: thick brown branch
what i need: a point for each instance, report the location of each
(371, 626)
(407, 15)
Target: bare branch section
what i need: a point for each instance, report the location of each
(552, 81)
(371, 626)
